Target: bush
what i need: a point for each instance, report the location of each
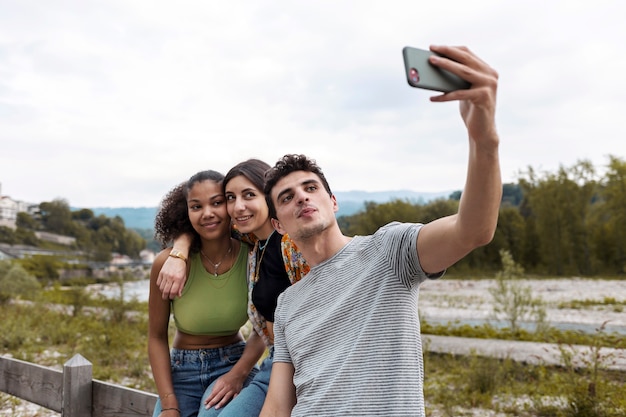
(512, 301)
(15, 282)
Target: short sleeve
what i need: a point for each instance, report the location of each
(281, 353)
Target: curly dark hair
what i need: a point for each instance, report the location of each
(172, 219)
(285, 166)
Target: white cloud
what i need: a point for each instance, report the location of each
(112, 103)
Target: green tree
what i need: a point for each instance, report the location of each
(510, 232)
(7, 235)
(26, 221)
(15, 282)
(559, 205)
(456, 195)
(376, 215)
(56, 217)
(614, 214)
(100, 236)
(148, 236)
(83, 215)
(512, 194)
(26, 237)
(131, 243)
(19, 236)
(435, 209)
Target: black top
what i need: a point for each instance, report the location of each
(273, 279)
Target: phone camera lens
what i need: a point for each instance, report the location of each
(414, 76)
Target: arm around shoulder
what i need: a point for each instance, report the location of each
(173, 274)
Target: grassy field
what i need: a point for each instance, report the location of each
(113, 336)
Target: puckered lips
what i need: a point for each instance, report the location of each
(306, 211)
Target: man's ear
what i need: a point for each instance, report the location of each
(335, 204)
(277, 226)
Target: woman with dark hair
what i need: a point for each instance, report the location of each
(208, 354)
(274, 264)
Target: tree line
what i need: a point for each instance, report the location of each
(97, 237)
(564, 223)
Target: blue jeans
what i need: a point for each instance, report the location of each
(250, 400)
(193, 371)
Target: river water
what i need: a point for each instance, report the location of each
(139, 290)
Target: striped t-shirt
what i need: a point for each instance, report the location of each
(351, 329)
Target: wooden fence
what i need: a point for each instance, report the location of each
(72, 392)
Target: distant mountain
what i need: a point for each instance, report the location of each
(349, 202)
(134, 217)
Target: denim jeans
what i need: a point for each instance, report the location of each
(250, 400)
(193, 371)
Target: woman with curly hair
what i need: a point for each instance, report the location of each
(208, 348)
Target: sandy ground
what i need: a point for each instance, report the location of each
(452, 299)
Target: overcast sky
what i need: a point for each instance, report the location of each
(111, 103)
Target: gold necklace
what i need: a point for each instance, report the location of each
(260, 259)
(217, 265)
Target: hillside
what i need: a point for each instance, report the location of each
(350, 202)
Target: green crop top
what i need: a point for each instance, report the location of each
(211, 305)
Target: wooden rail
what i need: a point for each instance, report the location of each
(72, 392)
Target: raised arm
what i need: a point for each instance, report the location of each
(444, 241)
(173, 274)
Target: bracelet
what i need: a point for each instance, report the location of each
(175, 253)
(169, 409)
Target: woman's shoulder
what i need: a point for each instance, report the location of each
(295, 264)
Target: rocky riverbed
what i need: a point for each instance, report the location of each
(576, 303)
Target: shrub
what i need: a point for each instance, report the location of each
(513, 301)
(15, 281)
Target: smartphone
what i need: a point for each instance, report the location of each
(422, 74)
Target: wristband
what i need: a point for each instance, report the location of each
(175, 253)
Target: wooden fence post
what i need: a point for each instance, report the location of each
(77, 392)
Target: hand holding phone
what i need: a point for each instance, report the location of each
(422, 74)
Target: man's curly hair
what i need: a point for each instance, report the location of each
(285, 166)
(172, 219)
